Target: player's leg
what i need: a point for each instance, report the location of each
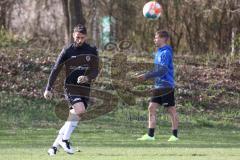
(169, 104)
(174, 119)
(77, 106)
(71, 124)
(73, 119)
(152, 108)
(53, 150)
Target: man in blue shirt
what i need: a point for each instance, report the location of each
(163, 93)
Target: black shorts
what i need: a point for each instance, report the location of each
(167, 100)
(73, 99)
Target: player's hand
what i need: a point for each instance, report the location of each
(47, 94)
(82, 79)
(152, 90)
(141, 77)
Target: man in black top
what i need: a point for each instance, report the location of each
(81, 65)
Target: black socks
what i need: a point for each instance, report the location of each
(175, 132)
(151, 132)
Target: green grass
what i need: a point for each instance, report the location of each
(120, 153)
(99, 139)
(29, 126)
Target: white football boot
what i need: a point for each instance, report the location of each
(65, 144)
(52, 151)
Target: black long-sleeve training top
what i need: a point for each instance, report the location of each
(78, 61)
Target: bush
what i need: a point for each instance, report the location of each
(7, 39)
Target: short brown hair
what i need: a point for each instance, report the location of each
(163, 34)
(80, 28)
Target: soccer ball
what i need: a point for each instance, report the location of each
(152, 10)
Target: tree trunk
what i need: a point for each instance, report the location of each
(5, 8)
(72, 16)
(94, 23)
(3, 17)
(232, 41)
(66, 21)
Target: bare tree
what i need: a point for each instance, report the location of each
(197, 26)
(73, 15)
(5, 12)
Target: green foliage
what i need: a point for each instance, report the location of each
(237, 42)
(7, 39)
(18, 111)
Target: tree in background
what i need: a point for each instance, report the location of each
(73, 15)
(197, 26)
(5, 12)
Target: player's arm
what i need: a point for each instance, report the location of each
(54, 73)
(94, 68)
(159, 70)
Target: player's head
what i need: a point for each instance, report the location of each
(161, 38)
(79, 34)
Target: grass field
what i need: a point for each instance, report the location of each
(209, 129)
(117, 141)
(207, 101)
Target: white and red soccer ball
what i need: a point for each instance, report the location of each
(152, 10)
